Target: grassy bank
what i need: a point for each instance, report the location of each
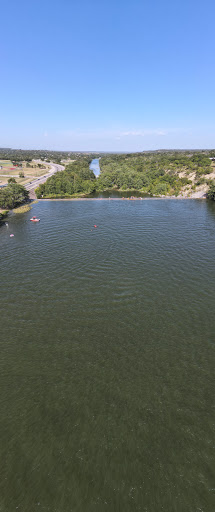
(3, 214)
(22, 209)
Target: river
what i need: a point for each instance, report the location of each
(94, 166)
(107, 361)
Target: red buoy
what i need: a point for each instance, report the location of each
(95, 226)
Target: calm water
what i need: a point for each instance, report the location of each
(114, 194)
(107, 361)
(95, 166)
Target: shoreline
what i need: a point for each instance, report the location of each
(117, 198)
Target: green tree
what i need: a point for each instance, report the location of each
(211, 191)
(39, 191)
(13, 195)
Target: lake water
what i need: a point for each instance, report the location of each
(107, 357)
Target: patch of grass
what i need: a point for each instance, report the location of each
(6, 164)
(22, 209)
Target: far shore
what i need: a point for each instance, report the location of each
(117, 198)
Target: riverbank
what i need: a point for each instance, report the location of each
(3, 214)
(117, 198)
(23, 209)
(131, 194)
(26, 207)
(157, 176)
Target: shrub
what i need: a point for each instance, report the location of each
(201, 181)
(211, 191)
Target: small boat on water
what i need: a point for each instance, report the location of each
(34, 219)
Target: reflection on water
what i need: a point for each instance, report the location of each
(107, 358)
(114, 194)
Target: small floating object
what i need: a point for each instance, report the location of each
(34, 219)
(6, 224)
(95, 226)
(11, 235)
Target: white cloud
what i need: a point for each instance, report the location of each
(143, 133)
(115, 134)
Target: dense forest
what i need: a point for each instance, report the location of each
(156, 173)
(13, 195)
(76, 179)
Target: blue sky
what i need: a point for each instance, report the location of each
(107, 75)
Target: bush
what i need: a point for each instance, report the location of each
(201, 181)
(13, 195)
(211, 191)
(160, 189)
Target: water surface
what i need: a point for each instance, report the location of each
(94, 166)
(107, 362)
(118, 194)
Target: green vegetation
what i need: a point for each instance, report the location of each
(19, 155)
(211, 191)
(156, 173)
(3, 214)
(77, 179)
(22, 209)
(13, 195)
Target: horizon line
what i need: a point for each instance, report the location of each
(106, 151)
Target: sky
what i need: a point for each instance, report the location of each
(112, 75)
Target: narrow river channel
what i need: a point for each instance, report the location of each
(94, 166)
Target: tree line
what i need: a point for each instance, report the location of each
(20, 155)
(77, 178)
(156, 173)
